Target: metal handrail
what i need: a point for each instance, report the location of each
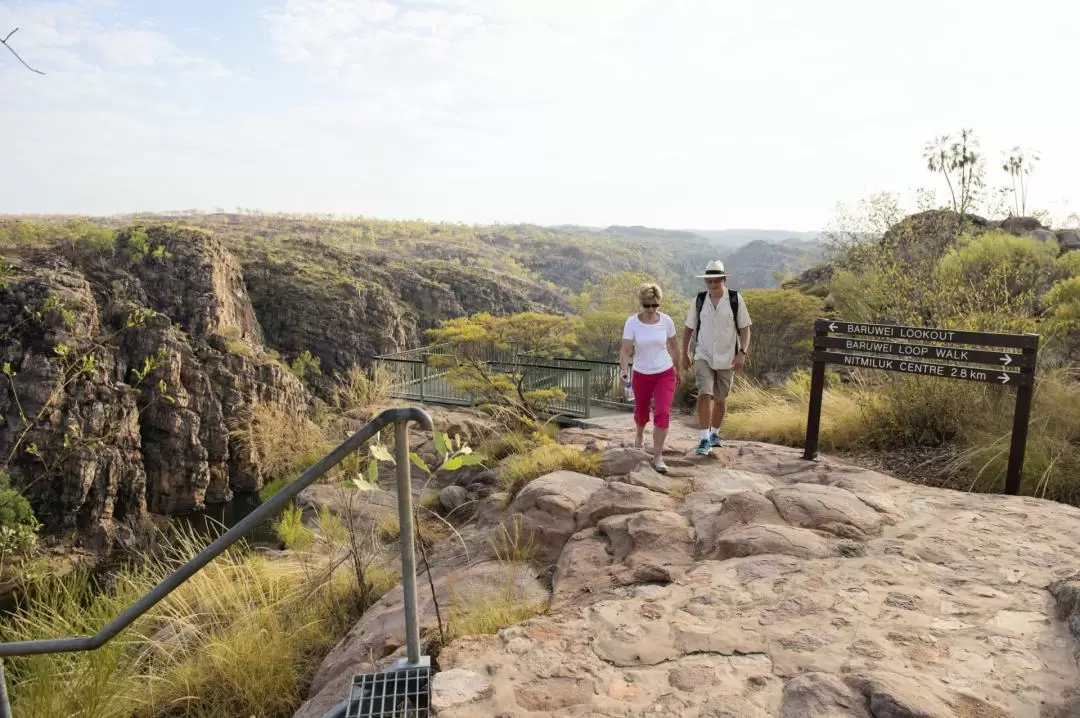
(400, 417)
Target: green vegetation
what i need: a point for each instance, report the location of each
(938, 268)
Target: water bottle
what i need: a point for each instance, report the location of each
(629, 389)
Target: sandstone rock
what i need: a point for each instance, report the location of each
(652, 545)
(647, 478)
(121, 447)
(1066, 593)
(821, 695)
(452, 498)
(1068, 239)
(1020, 225)
(941, 610)
(621, 460)
(725, 482)
(584, 572)
(826, 508)
(757, 539)
(548, 507)
(891, 695)
(456, 686)
(618, 498)
(550, 694)
(740, 509)
(378, 638)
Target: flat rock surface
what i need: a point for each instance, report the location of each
(774, 586)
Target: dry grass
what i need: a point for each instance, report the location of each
(283, 444)
(358, 388)
(493, 612)
(778, 416)
(512, 544)
(962, 430)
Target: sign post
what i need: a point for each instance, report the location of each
(927, 351)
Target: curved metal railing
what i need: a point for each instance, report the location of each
(400, 417)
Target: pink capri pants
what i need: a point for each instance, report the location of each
(653, 388)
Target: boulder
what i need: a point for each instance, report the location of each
(620, 461)
(548, 508)
(826, 508)
(619, 498)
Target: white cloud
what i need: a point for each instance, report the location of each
(673, 112)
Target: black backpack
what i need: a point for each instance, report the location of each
(733, 297)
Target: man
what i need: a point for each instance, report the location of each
(720, 350)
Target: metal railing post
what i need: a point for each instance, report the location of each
(423, 378)
(5, 704)
(588, 394)
(408, 552)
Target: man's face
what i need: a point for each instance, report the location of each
(715, 286)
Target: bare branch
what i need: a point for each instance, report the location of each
(4, 42)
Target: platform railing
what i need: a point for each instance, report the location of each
(400, 417)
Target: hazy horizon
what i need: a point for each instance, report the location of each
(590, 112)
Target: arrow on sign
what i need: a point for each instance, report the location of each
(832, 327)
(1004, 378)
(1007, 359)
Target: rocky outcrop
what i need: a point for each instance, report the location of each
(347, 310)
(926, 236)
(377, 640)
(124, 393)
(774, 586)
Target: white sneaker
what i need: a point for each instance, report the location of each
(659, 466)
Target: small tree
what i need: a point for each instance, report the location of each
(1020, 165)
(960, 163)
(476, 344)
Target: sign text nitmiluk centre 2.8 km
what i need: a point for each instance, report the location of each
(968, 356)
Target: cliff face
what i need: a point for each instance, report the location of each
(120, 389)
(346, 309)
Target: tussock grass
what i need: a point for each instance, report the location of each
(241, 637)
(359, 388)
(512, 544)
(970, 423)
(283, 445)
(1052, 456)
(778, 416)
(519, 469)
(494, 611)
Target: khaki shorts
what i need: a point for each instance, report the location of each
(712, 382)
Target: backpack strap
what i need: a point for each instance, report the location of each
(733, 297)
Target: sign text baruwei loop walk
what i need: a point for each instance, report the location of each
(968, 356)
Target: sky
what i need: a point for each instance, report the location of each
(704, 114)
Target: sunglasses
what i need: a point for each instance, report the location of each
(650, 306)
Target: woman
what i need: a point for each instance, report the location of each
(651, 336)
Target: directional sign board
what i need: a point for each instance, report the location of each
(1003, 359)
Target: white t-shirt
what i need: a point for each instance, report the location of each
(716, 338)
(650, 343)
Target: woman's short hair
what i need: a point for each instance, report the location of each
(650, 291)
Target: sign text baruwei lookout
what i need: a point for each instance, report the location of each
(919, 350)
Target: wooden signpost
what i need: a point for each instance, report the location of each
(920, 350)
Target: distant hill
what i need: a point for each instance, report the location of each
(738, 237)
(761, 263)
(754, 256)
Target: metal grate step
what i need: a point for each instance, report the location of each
(398, 692)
